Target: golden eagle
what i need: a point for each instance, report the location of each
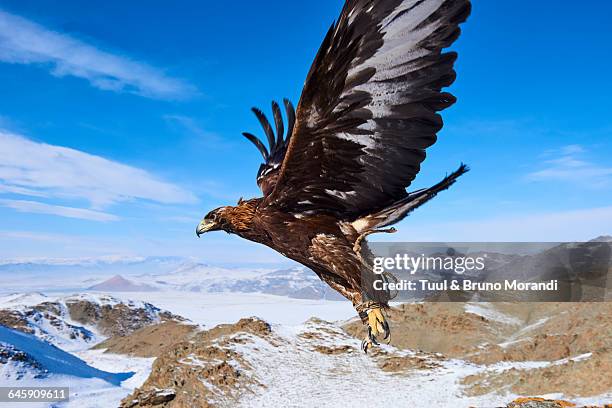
(340, 170)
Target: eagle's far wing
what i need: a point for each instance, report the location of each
(273, 158)
(368, 108)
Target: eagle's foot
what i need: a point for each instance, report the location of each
(378, 327)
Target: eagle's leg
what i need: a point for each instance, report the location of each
(372, 315)
(362, 236)
(370, 312)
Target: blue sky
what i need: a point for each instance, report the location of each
(120, 123)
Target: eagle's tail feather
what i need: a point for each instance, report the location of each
(400, 209)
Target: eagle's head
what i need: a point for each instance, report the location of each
(216, 220)
(230, 219)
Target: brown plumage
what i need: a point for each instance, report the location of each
(367, 113)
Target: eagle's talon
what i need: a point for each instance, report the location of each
(366, 344)
(372, 338)
(387, 331)
(378, 328)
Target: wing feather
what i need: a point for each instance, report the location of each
(290, 112)
(369, 107)
(258, 144)
(278, 122)
(266, 126)
(273, 158)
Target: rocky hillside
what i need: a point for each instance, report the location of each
(252, 364)
(112, 316)
(17, 363)
(49, 321)
(480, 354)
(24, 356)
(149, 341)
(71, 324)
(45, 341)
(79, 321)
(571, 341)
(484, 354)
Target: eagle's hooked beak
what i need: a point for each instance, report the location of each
(205, 226)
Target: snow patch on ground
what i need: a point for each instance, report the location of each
(22, 300)
(534, 325)
(211, 309)
(488, 312)
(292, 372)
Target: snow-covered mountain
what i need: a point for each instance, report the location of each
(297, 282)
(46, 341)
(120, 284)
(79, 321)
(159, 273)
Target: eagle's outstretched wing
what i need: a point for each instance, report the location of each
(368, 107)
(273, 158)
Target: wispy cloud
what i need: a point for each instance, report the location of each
(42, 170)
(568, 164)
(571, 149)
(193, 128)
(21, 191)
(25, 42)
(31, 235)
(70, 212)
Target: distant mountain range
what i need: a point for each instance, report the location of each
(137, 274)
(299, 283)
(77, 274)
